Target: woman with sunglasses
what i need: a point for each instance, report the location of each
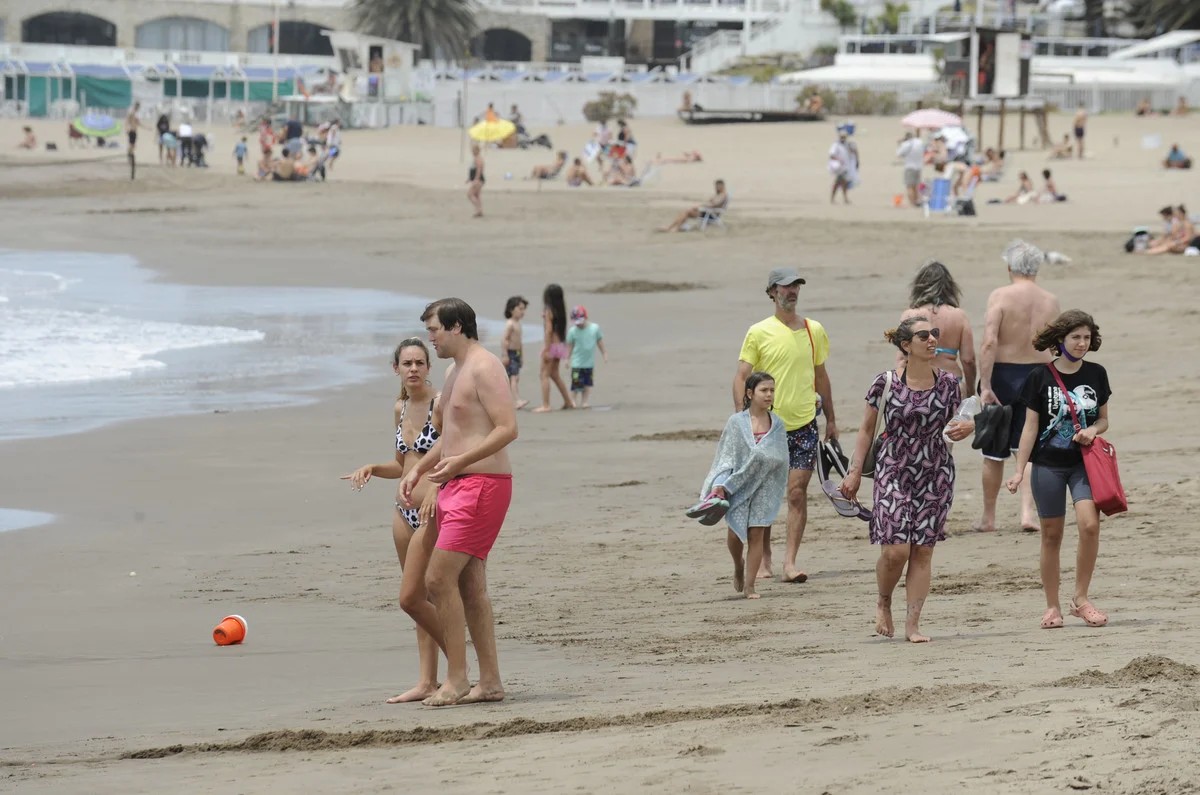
(914, 469)
(1053, 442)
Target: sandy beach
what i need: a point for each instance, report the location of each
(629, 662)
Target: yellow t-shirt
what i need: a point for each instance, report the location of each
(772, 347)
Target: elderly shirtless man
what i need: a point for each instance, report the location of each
(470, 465)
(1015, 314)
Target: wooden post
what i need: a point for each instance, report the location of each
(979, 125)
(1000, 145)
(1022, 127)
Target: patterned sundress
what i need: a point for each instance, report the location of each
(914, 471)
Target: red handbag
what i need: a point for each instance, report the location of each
(1100, 462)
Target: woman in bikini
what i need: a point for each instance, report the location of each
(554, 346)
(936, 295)
(414, 530)
(475, 181)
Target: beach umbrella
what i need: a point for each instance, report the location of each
(931, 119)
(492, 131)
(97, 125)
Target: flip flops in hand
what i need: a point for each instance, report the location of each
(709, 510)
(843, 505)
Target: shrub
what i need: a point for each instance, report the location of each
(865, 102)
(610, 105)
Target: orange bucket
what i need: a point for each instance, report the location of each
(897, 200)
(231, 630)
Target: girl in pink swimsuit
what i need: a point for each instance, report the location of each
(554, 350)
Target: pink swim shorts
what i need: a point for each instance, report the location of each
(470, 511)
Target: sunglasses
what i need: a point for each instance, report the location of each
(924, 336)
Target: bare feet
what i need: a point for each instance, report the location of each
(478, 695)
(980, 526)
(447, 694)
(418, 693)
(765, 574)
(520, 404)
(739, 576)
(542, 409)
(752, 594)
(477, 215)
(795, 576)
(883, 617)
(1031, 525)
(568, 405)
(917, 637)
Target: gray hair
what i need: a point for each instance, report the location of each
(1024, 259)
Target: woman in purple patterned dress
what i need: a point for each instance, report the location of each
(914, 470)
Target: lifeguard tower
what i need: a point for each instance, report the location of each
(378, 85)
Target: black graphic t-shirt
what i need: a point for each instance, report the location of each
(1089, 391)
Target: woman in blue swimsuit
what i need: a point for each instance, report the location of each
(417, 418)
(936, 295)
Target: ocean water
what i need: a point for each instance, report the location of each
(91, 339)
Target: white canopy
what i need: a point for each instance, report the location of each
(1168, 41)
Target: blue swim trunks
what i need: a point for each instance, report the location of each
(802, 446)
(514, 363)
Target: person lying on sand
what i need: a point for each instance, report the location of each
(718, 201)
(687, 157)
(550, 171)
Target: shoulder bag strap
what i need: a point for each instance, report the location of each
(883, 399)
(1066, 396)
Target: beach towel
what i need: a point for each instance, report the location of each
(755, 475)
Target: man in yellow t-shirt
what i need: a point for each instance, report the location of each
(793, 350)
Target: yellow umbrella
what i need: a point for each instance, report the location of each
(492, 131)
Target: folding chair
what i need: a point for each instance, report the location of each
(711, 216)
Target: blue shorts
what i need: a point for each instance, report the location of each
(581, 378)
(514, 363)
(1007, 381)
(802, 446)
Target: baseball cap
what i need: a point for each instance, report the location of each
(783, 276)
(579, 315)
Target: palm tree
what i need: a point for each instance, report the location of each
(442, 28)
(1154, 17)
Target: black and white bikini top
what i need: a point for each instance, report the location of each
(425, 439)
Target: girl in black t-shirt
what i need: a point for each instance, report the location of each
(1051, 440)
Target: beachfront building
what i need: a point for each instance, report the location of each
(654, 32)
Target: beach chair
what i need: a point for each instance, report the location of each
(939, 197)
(965, 204)
(709, 216)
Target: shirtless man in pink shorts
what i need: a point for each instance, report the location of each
(470, 466)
